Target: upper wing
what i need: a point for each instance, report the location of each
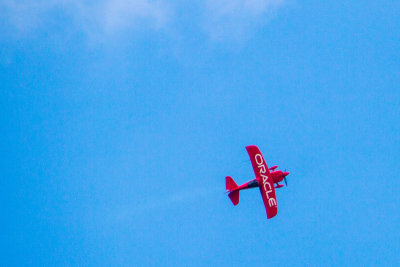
(265, 180)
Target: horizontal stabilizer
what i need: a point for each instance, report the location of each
(234, 196)
(230, 183)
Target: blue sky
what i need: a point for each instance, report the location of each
(120, 120)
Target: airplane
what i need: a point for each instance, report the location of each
(265, 180)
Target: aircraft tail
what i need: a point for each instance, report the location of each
(231, 186)
(234, 196)
(230, 183)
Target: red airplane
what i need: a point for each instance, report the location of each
(264, 180)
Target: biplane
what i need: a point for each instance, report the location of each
(267, 179)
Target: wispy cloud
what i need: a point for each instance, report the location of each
(234, 19)
(218, 19)
(125, 13)
(104, 16)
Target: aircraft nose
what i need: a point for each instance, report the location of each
(285, 174)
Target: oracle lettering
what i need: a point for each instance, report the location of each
(261, 166)
(273, 201)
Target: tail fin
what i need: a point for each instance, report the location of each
(230, 183)
(234, 196)
(230, 186)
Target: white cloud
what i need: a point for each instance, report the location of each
(125, 13)
(219, 19)
(235, 19)
(23, 15)
(105, 16)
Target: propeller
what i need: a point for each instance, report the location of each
(284, 178)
